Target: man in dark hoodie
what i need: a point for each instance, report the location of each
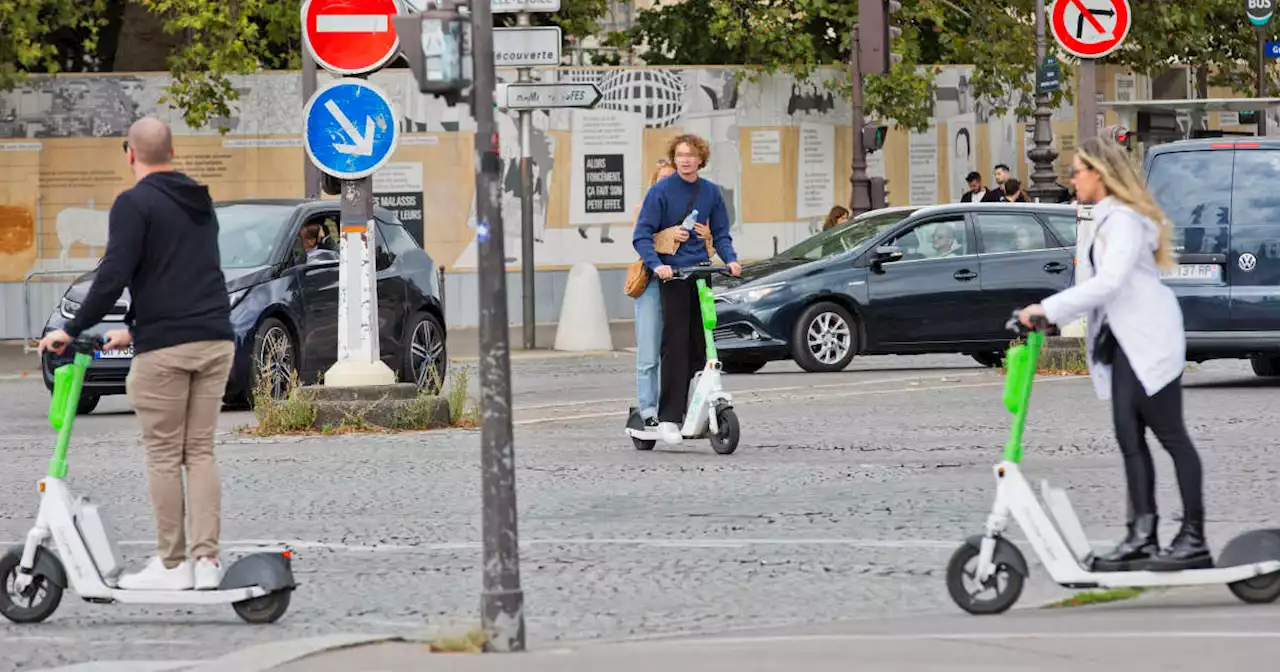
(162, 244)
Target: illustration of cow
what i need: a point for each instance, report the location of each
(81, 225)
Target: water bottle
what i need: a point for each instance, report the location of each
(690, 220)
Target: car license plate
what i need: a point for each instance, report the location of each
(127, 353)
(1198, 272)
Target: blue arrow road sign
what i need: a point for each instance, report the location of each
(1273, 49)
(351, 130)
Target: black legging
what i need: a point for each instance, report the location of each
(1133, 412)
(684, 346)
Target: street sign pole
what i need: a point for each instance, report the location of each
(502, 600)
(1259, 13)
(310, 172)
(526, 211)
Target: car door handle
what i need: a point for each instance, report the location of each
(1055, 267)
(964, 274)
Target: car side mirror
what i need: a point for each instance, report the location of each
(886, 254)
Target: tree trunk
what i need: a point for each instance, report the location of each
(143, 45)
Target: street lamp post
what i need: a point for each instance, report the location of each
(1044, 187)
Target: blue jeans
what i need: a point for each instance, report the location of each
(648, 348)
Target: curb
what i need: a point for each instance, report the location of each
(259, 658)
(538, 355)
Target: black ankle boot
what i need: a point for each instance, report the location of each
(1187, 551)
(1141, 544)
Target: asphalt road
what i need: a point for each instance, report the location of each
(847, 496)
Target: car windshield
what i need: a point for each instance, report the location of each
(843, 238)
(248, 234)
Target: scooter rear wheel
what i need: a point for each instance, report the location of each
(964, 566)
(1258, 590)
(265, 609)
(33, 605)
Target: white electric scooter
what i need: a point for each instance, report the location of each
(32, 577)
(710, 413)
(989, 564)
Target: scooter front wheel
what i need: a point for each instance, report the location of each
(38, 600)
(994, 596)
(725, 441)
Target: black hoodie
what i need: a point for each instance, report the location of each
(162, 243)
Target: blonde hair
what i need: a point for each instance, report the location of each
(657, 171)
(1121, 179)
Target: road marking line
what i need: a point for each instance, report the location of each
(116, 642)
(975, 636)
(759, 390)
(742, 402)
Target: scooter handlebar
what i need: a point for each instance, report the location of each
(87, 344)
(695, 271)
(1038, 323)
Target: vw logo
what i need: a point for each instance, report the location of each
(1248, 262)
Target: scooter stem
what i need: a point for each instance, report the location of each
(1022, 362)
(707, 306)
(68, 403)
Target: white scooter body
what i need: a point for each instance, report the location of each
(1060, 542)
(705, 394)
(88, 553)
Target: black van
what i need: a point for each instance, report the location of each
(1223, 197)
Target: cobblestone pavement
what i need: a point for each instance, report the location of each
(846, 498)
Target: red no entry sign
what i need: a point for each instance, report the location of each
(1090, 28)
(350, 37)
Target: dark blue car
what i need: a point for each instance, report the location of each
(285, 306)
(938, 279)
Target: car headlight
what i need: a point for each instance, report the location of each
(68, 308)
(237, 295)
(749, 294)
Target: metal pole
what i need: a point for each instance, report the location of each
(357, 329)
(502, 601)
(526, 212)
(1087, 107)
(1262, 80)
(310, 172)
(1043, 186)
(860, 200)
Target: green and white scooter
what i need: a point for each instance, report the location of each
(986, 573)
(84, 556)
(710, 413)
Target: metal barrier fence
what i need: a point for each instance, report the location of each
(30, 340)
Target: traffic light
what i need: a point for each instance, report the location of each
(1120, 134)
(436, 43)
(873, 137)
(876, 35)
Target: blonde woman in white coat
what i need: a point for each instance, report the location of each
(1137, 351)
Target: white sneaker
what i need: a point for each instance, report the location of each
(670, 433)
(156, 577)
(208, 573)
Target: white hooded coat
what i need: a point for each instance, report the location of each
(1124, 289)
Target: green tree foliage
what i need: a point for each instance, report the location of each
(36, 34)
(799, 36)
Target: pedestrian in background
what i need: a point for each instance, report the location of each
(1136, 351)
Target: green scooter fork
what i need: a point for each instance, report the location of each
(707, 304)
(68, 381)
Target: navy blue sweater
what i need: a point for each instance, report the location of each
(664, 207)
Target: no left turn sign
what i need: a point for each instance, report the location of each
(1090, 28)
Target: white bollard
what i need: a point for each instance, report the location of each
(584, 322)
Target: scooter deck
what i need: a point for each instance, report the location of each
(183, 596)
(1184, 577)
(654, 435)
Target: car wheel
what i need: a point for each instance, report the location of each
(274, 357)
(88, 402)
(741, 367)
(825, 338)
(989, 359)
(424, 352)
(1266, 367)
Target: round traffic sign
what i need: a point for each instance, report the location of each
(1090, 28)
(1259, 11)
(350, 37)
(350, 128)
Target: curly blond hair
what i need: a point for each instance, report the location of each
(696, 142)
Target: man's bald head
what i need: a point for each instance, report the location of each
(151, 141)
